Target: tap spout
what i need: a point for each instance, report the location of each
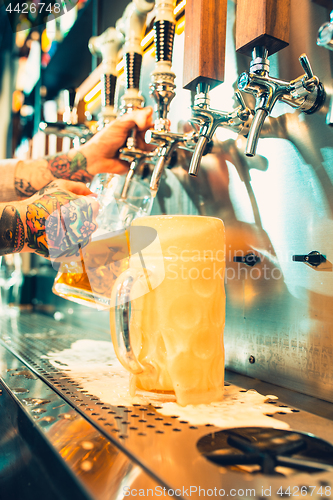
(210, 119)
(197, 155)
(128, 179)
(255, 130)
(157, 174)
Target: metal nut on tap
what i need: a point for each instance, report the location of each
(243, 81)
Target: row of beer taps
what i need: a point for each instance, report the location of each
(306, 93)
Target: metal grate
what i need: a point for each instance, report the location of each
(164, 446)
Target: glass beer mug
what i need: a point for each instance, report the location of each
(168, 308)
(90, 280)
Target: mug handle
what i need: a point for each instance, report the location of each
(120, 320)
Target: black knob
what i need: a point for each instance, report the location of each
(313, 258)
(250, 259)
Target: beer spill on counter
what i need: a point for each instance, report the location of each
(93, 364)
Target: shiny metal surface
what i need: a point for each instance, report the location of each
(305, 93)
(275, 205)
(165, 447)
(210, 119)
(92, 467)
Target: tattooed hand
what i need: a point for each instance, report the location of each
(54, 223)
(100, 154)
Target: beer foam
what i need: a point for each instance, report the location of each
(94, 365)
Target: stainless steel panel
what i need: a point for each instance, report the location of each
(277, 205)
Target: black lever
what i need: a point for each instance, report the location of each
(313, 258)
(250, 259)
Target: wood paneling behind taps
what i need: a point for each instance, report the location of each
(262, 23)
(205, 38)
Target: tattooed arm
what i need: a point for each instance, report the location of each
(54, 223)
(100, 154)
(32, 175)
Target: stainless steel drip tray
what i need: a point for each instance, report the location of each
(116, 450)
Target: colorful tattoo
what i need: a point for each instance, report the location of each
(48, 186)
(23, 187)
(59, 224)
(11, 231)
(75, 169)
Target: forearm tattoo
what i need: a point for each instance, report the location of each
(23, 187)
(32, 175)
(75, 169)
(11, 231)
(59, 224)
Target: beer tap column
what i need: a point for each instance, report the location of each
(204, 60)
(162, 89)
(263, 30)
(132, 24)
(162, 78)
(107, 45)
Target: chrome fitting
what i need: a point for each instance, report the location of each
(260, 62)
(325, 34)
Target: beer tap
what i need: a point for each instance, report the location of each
(132, 24)
(205, 39)
(325, 39)
(78, 132)
(162, 89)
(107, 45)
(262, 31)
(210, 119)
(305, 93)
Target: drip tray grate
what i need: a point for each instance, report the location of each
(171, 448)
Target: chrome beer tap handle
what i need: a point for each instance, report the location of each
(77, 131)
(306, 93)
(210, 119)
